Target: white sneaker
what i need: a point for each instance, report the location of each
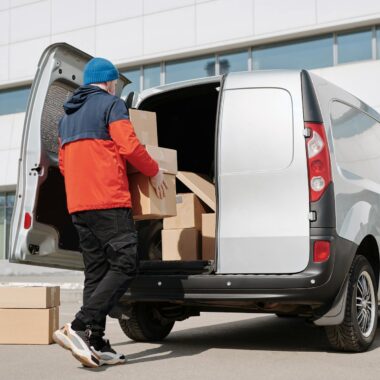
(78, 342)
(107, 354)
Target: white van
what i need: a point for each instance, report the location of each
(296, 165)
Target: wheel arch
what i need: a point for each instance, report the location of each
(370, 250)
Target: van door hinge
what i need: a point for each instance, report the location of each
(312, 216)
(37, 170)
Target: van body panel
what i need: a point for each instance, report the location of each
(263, 224)
(353, 132)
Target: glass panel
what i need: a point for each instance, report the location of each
(378, 43)
(13, 101)
(305, 54)
(134, 77)
(10, 200)
(190, 69)
(8, 219)
(2, 233)
(151, 76)
(355, 46)
(233, 62)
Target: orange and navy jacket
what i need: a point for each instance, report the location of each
(96, 138)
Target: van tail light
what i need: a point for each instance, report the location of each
(321, 251)
(27, 221)
(318, 160)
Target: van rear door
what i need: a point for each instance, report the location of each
(41, 228)
(263, 196)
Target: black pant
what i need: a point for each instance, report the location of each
(108, 240)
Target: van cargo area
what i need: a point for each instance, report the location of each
(186, 121)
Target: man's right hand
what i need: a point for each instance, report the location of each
(159, 184)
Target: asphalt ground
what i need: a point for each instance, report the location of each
(213, 346)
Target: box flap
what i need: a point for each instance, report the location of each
(204, 189)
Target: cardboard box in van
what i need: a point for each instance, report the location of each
(28, 326)
(166, 159)
(181, 244)
(31, 297)
(203, 188)
(189, 213)
(208, 236)
(145, 203)
(145, 126)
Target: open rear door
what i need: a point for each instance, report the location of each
(41, 229)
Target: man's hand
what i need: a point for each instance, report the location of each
(159, 184)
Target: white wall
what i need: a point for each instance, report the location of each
(137, 31)
(11, 132)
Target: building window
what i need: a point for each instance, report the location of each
(6, 208)
(134, 77)
(14, 100)
(378, 43)
(354, 46)
(237, 61)
(304, 54)
(189, 69)
(151, 76)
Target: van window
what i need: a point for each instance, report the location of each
(256, 130)
(356, 138)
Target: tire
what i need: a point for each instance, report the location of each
(358, 329)
(149, 243)
(145, 324)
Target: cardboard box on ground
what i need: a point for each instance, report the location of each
(28, 315)
(146, 204)
(181, 238)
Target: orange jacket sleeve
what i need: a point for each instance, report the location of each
(129, 146)
(61, 153)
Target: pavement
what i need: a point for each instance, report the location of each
(214, 346)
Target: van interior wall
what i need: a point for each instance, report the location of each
(186, 122)
(51, 205)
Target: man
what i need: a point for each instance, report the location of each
(96, 138)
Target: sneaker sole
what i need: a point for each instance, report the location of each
(112, 362)
(86, 362)
(63, 341)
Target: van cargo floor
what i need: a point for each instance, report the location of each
(175, 267)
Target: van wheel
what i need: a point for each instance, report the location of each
(358, 329)
(146, 324)
(149, 244)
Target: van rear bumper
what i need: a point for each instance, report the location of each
(317, 285)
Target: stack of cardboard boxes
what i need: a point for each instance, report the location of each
(181, 236)
(189, 219)
(28, 315)
(146, 204)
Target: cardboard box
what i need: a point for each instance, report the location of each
(181, 244)
(204, 189)
(145, 126)
(166, 159)
(189, 213)
(208, 236)
(145, 203)
(31, 297)
(28, 326)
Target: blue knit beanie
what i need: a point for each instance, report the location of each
(99, 70)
